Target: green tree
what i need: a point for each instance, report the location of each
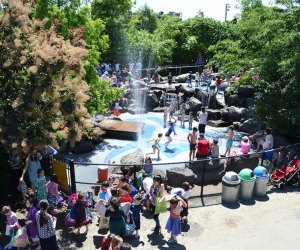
(43, 92)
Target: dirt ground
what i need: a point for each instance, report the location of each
(272, 222)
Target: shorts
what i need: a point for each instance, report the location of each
(192, 147)
(201, 128)
(155, 147)
(229, 143)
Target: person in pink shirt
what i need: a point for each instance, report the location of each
(173, 225)
(53, 196)
(245, 145)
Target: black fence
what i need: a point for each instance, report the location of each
(205, 173)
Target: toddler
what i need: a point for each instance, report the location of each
(135, 209)
(229, 142)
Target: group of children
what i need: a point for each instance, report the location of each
(122, 204)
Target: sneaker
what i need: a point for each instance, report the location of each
(172, 241)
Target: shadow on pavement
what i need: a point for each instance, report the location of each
(248, 202)
(231, 205)
(97, 240)
(262, 199)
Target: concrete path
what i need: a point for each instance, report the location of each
(269, 223)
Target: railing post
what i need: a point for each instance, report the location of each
(202, 181)
(262, 159)
(72, 176)
(134, 175)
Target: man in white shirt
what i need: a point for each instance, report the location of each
(202, 118)
(267, 142)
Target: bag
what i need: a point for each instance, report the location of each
(130, 227)
(160, 207)
(134, 191)
(89, 198)
(21, 238)
(104, 222)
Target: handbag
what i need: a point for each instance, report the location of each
(21, 238)
(160, 207)
(104, 222)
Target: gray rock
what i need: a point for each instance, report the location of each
(202, 96)
(136, 158)
(181, 78)
(236, 125)
(245, 91)
(151, 102)
(214, 102)
(232, 100)
(217, 123)
(236, 164)
(158, 109)
(83, 147)
(251, 126)
(249, 103)
(158, 87)
(176, 176)
(223, 86)
(194, 105)
(158, 93)
(233, 114)
(214, 114)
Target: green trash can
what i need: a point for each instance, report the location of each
(247, 178)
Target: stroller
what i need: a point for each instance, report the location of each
(288, 175)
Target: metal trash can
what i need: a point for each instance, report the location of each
(261, 183)
(230, 187)
(247, 184)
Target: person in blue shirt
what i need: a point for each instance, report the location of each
(168, 134)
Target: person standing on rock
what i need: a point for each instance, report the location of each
(170, 79)
(192, 138)
(202, 118)
(190, 77)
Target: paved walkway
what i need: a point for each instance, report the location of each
(269, 223)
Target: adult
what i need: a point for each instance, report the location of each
(203, 147)
(266, 142)
(104, 76)
(15, 171)
(32, 165)
(170, 79)
(46, 227)
(202, 118)
(156, 76)
(47, 152)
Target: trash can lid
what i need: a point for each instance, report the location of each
(261, 172)
(247, 174)
(103, 167)
(231, 178)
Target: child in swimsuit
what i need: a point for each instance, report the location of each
(156, 146)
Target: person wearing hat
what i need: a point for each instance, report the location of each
(245, 145)
(203, 147)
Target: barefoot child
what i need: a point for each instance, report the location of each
(192, 138)
(156, 146)
(182, 115)
(190, 118)
(168, 134)
(229, 142)
(40, 185)
(166, 111)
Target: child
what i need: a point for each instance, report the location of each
(166, 111)
(30, 223)
(245, 145)
(52, 192)
(12, 224)
(106, 241)
(182, 115)
(104, 196)
(135, 209)
(173, 225)
(190, 77)
(117, 218)
(146, 186)
(184, 193)
(229, 142)
(197, 78)
(190, 118)
(156, 190)
(125, 197)
(156, 146)
(116, 243)
(123, 181)
(168, 134)
(78, 211)
(148, 167)
(192, 138)
(214, 149)
(40, 185)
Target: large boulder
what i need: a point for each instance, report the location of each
(187, 92)
(214, 114)
(194, 105)
(280, 141)
(176, 176)
(251, 126)
(214, 102)
(151, 102)
(223, 86)
(217, 123)
(202, 96)
(233, 114)
(232, 100)
(245, 91)
(158, 93)
(83, 147)
(158, 109)
(236, 164)
(249, 103)
(158, 87)
(182, 78)
(136, 158)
